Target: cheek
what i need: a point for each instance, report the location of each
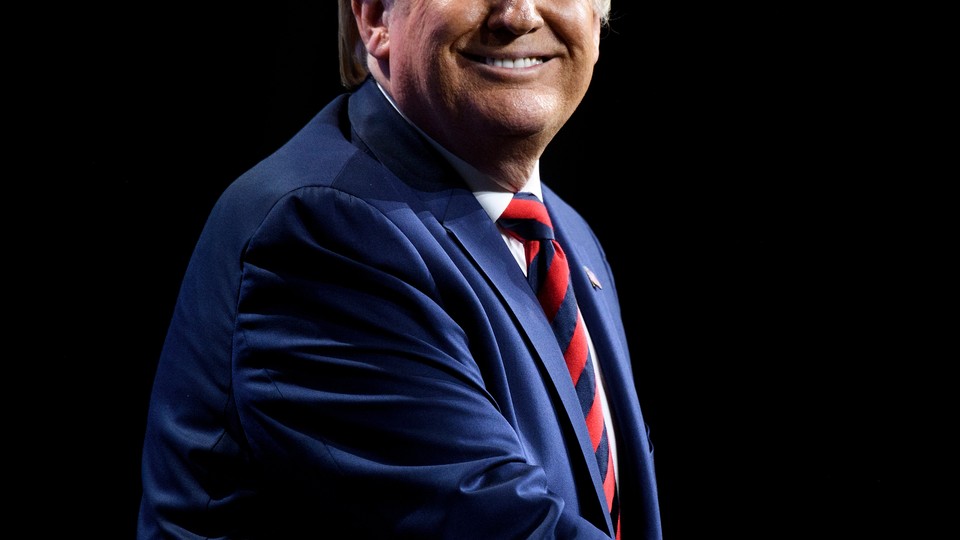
(579, 27)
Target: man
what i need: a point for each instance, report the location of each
(356, 348)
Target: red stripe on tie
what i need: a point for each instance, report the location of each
(528, 209)
(595, 424)
(531, 249)
(554, 288)
(577, 354)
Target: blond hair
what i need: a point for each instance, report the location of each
(353, 55)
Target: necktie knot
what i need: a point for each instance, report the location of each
(526, 218)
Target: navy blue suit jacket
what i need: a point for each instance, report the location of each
(354, 349)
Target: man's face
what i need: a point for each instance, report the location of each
(462, 69)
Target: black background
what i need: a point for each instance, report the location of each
(774, 270)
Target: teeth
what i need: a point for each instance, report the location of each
(513, 63)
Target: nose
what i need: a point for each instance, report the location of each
(517, 16)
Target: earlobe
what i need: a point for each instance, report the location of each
(598, 30)
(596, 40)
(372, 24)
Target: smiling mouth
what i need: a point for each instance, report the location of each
(508, 63)
(513, 63)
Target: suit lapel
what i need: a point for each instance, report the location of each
(594, 302)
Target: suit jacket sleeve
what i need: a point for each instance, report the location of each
(352, 378)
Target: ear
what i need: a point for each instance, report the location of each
(597, 31)
(372, 22)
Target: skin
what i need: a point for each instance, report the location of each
(433, 58)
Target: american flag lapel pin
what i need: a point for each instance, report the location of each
(593, 278)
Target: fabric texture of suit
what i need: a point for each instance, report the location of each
(354, 348)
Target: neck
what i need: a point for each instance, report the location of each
(509, 163)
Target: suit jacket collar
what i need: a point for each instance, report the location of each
(378, 129)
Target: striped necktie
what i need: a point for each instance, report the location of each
(526, 219)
